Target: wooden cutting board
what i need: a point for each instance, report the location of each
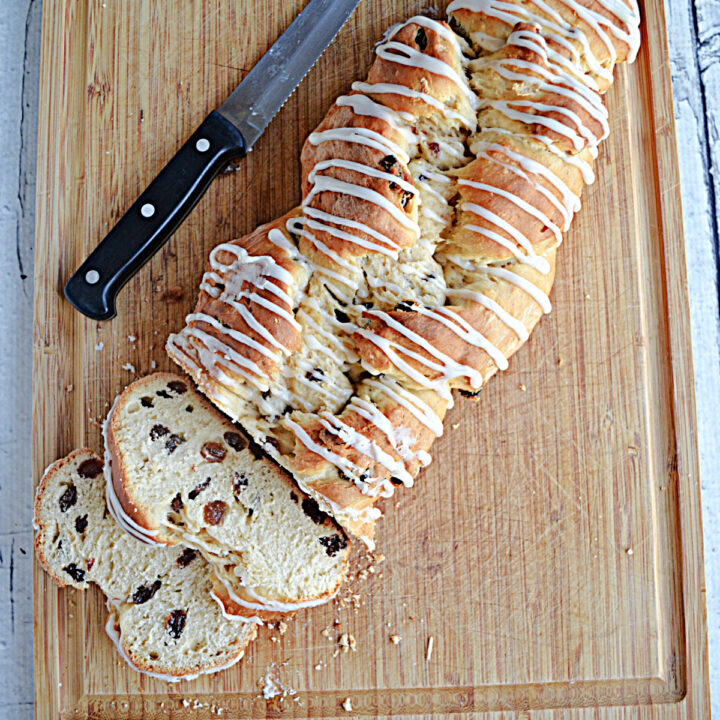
(552, 551)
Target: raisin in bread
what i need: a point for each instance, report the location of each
(181, 473)
(163, 620)
(435, 196)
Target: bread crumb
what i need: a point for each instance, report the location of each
(100, 346)
(395, 639)
(132, 338)
(630, 551)
(173, 294)
(282, 627)
(347, 705)
(455, 426)
(69, 388)
(587, 297)
(153, 365)
(129, 367)
(560, 360)
(271, 685)
(346, 642)
(430, 643)
(522, 387)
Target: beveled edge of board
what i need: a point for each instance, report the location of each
(695, 702)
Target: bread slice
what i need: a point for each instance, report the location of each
(163, 618)
(179, 472)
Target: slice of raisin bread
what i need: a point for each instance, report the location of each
(179, 472)
(163, 618)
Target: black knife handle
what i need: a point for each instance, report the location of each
(153, 217)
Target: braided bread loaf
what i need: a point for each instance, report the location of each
(435, 198)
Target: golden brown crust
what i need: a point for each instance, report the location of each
(439, 87)
(501, 171)
(317, 153)
(39, 541)
(521, 75)
(434, 332)
(257, 244)
(232, 608)
(115, 461)
(475, 22)
(314, 153)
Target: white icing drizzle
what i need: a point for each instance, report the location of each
(124, 521)
(360, 136)
(511, 13)
(587, 99)
(570, 200)
(435, 25)
(417, 407)
(363, 105)
(400, 441)
(114, 635)
(530, 258)
(561, 76)
(366, 446)
(402, 54)
(519, 202)
(481, 299)
(324, 183)
(277, 238)
(364, 170)
(395, 89)
(465, 331)
(224, 356)
(313, 215)
(389, 348)
(257, 271)
(588, 174)
(523, 283)
(254, 619)
(241, 337)
(263, 603)
(510, 108)
(349, 468)
(449, 367)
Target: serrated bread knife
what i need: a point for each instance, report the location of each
(227, 134)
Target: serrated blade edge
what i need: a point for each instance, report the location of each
(258, 98)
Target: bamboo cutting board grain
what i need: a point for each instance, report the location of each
(552, 551)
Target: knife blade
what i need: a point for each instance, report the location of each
(226, 134)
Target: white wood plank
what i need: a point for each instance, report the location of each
(695, 66)
(19, 60)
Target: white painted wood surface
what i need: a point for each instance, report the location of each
(695, 57)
